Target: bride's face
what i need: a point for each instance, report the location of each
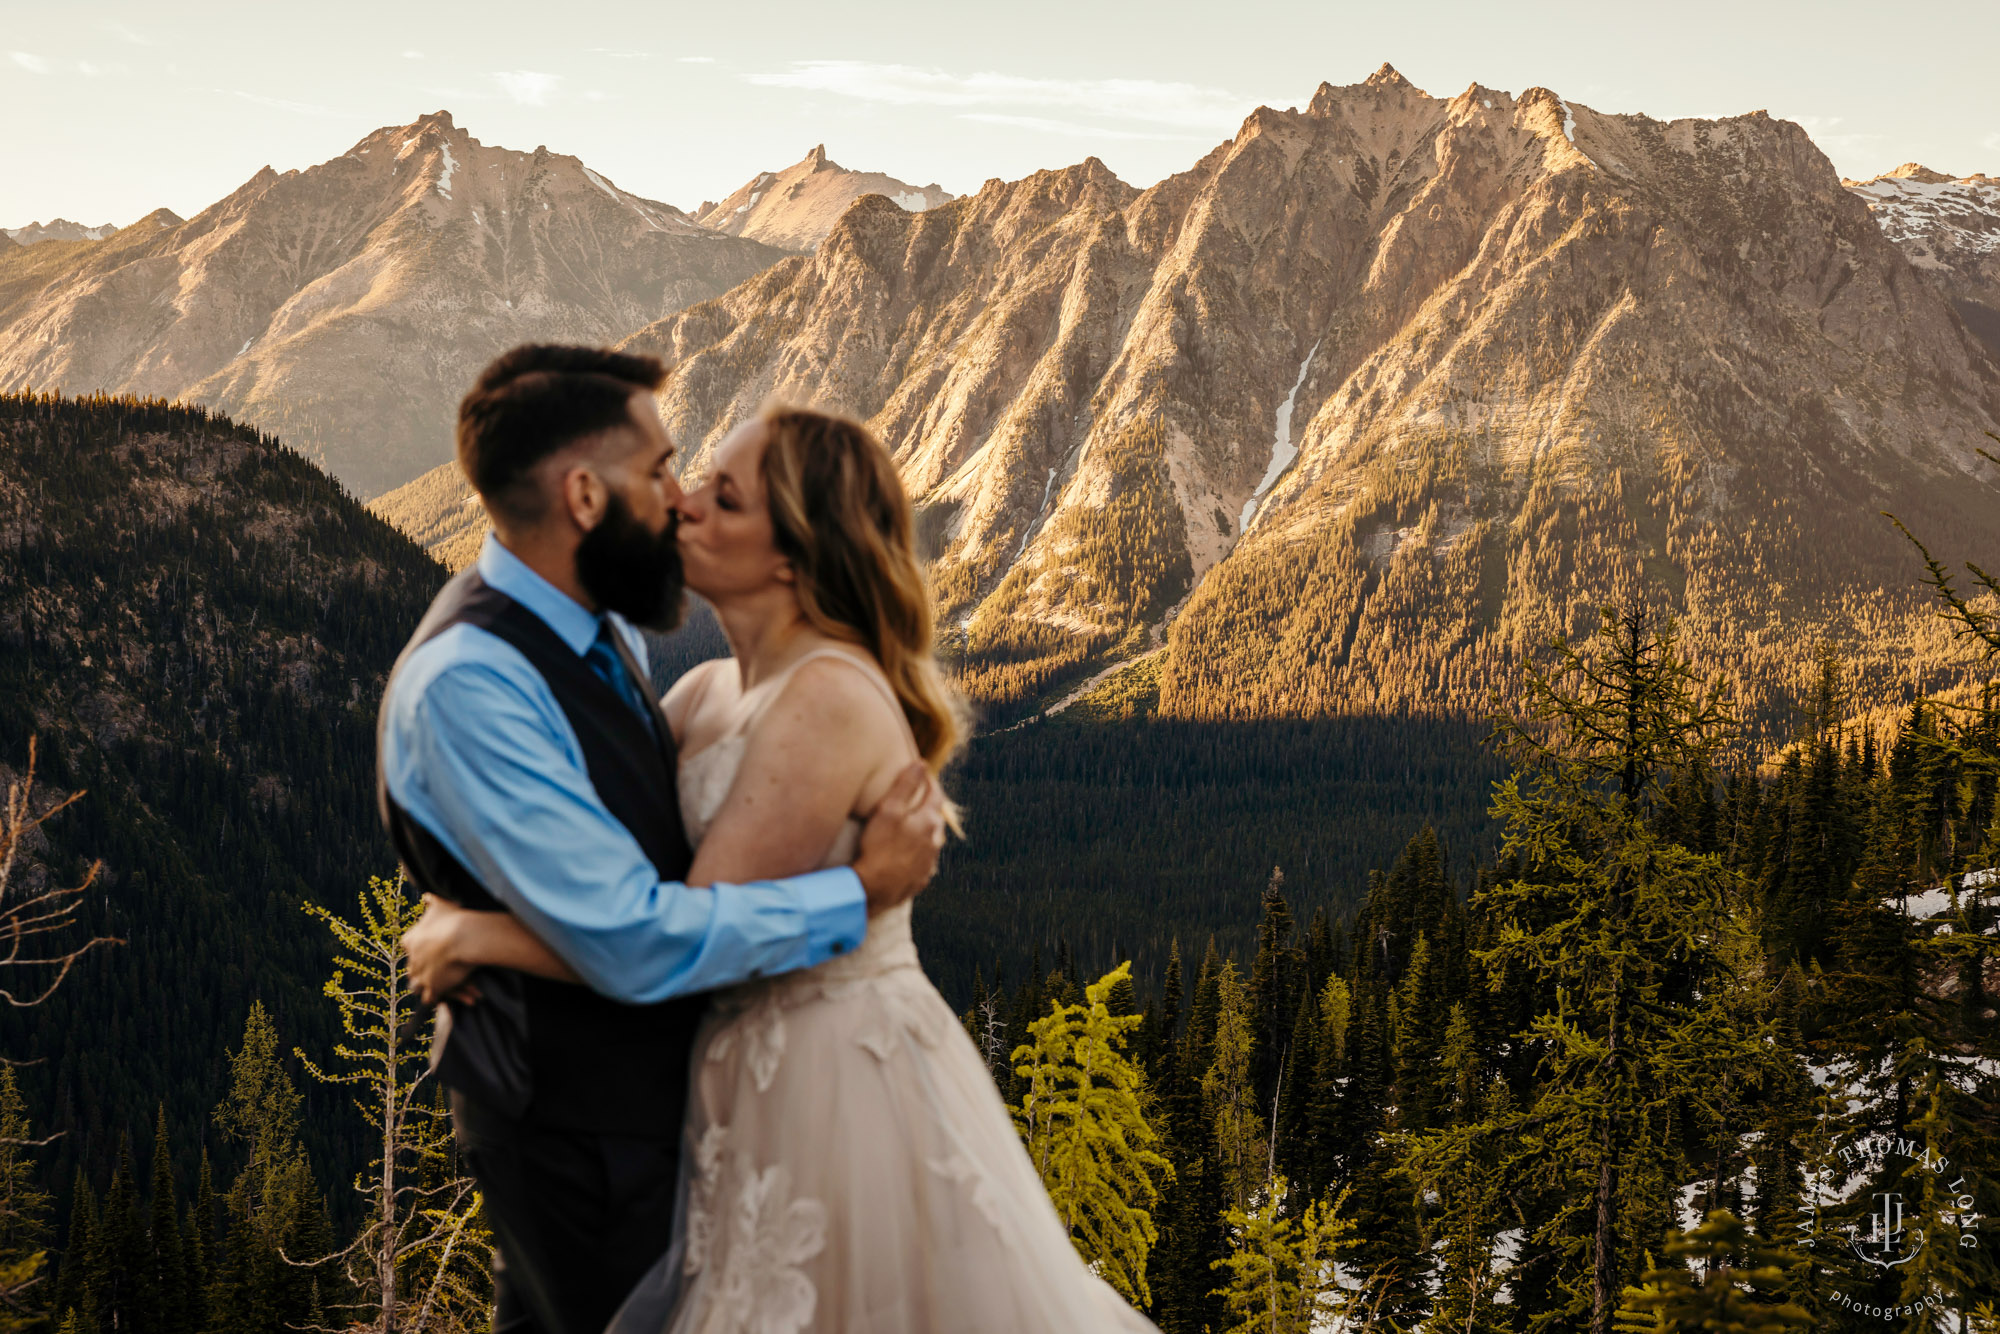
(727, 546)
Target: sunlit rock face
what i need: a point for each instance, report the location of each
(1511, 357)
(348, 306)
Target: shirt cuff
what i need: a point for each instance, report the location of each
(836, 911)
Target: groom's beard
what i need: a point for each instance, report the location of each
(628, 569)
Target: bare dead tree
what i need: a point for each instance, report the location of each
(29, 920)
(35, 923)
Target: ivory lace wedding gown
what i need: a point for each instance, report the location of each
(850, 1166)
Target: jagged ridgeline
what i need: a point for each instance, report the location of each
(1382, 393)
(197, 624)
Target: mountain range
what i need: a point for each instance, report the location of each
(1346, 418)
(56, 229)
(348, 305)
(1354, 413)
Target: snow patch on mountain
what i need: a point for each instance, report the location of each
(601, 183)
(1283, 448)
(450, 166)
(1964, 214)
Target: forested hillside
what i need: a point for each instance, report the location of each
(196, 623)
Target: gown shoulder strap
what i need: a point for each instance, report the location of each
(771, 689)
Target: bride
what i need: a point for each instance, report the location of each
(849, 1165)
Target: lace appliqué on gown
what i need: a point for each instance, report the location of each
(768, 1237)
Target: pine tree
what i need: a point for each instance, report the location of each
(129, 1302)
(80, 1280)
(1275, 979)
(165, 1264)
(276, 1219)
(1083, 1120)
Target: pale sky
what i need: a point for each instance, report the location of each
(110, 110)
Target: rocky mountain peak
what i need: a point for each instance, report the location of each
(347, 305)
(1388, 76)
(1293, 416)
(56, 229)
(1917, 171)
(795, 208)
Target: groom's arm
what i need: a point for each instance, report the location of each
(486, 762)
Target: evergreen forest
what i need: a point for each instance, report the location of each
(1605, 1012)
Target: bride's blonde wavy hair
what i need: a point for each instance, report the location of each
(841, 517)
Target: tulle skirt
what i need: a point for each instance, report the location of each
(850, 1167)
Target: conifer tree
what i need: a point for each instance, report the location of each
(1622, 925)
(1230, 1097)
(128, 1297)
(1281, 1274)
(1083, 1120)
(275, 1215)
(80, 1279)
(166, 1272)
(24, 1212)
(1745, 1289)
(408, 1217)
(1275, 979)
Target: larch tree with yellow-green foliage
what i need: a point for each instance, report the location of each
(420, 1261)
(1083, 1116)
(1282, 1278)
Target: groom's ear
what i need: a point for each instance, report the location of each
(584, 495)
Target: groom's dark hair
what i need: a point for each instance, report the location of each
(535, 400)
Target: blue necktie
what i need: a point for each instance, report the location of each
(604, 660)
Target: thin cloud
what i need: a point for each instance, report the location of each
(1182, 105)
(1075, 129)
(617, 53)
(1991, 143)
(696, 60)
(30, 62)
(413, 55)
(526, 86)
(124, 32)
(279, 103)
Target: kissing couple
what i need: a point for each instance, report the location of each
(695, 1065)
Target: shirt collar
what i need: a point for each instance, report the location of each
(575, 624)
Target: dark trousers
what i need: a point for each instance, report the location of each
(579, 1217)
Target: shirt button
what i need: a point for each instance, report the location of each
(839, 947)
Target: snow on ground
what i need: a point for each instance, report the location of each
(910, 201)
(450, 166)
(1283, 448)
(601, 184)
(246, 345)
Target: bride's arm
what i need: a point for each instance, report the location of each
(827, 748)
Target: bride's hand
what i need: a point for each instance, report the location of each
(436, 968)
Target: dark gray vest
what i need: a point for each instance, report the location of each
(553, 1053)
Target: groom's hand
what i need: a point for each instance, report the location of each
(435, 971)
(899, 846)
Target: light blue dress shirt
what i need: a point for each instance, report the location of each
(477, 750)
